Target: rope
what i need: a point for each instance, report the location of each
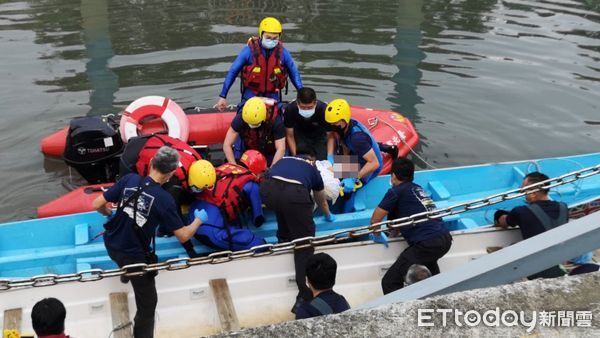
(373, 122)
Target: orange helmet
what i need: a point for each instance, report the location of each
(255, 161)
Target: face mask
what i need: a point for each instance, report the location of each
(268, 43)
(306, 113)
(253, 126)
(195, 190)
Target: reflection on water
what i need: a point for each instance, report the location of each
(103, 81)
(483, 80)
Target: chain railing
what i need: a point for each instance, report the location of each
(220, 257)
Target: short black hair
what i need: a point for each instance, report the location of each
(306, 151)
(306, 95)
(48, 317)
(404, 169)
(320, 271)
(536, 177)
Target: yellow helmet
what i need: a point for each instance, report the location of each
(337, 110)
(201, 175)
(269, 24)
(254, 111)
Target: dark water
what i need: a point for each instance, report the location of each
(483, 81)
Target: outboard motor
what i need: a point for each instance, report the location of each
(93, 148)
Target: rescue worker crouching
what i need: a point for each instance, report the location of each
(356, 140)
(259, 127)
(286, 190)
(265, 65)
(305, 124)
(227, 193)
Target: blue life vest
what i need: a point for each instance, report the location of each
(357, 127)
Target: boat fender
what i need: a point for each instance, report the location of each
(152, 107)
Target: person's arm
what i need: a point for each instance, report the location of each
(371, 165)
(279, 150)
(291, 140)
(378, 215)
(236, 66)
(230, 138)
(500, 219)
(184, 233)
(290, 65)
(331, 142)
(321, 201)
(100, 204)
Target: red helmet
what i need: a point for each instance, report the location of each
(254, 161)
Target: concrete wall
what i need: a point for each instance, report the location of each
(571, 294)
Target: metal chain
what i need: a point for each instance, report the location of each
(220, 257)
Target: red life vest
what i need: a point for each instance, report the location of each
(228, 191)
(187, 155)
(262, 138)
(264, 75)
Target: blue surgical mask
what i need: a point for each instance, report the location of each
(268, 43)
(306, 113)
(195, 189)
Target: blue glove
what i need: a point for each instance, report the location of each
(330, 217)
(201, 215)
(380, 238)
(348, 184)
(330, 158)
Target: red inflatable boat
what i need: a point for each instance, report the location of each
(206, 128)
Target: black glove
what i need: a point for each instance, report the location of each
(259, 220)
(498, 214)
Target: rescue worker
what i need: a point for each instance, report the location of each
(355, 139)
(130, 232)
(427, 241)
(226, 194)
(265, 65)
(305, 125)
(286, 190)
(259, 127)
(140, 150)
(539, 215)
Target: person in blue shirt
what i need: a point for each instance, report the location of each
(320, 277)
(265, 65)
(539, 215)
(129, 236)
(427, 241)
(258, 127)
(233, 190)
(356, 140)
(286, 190)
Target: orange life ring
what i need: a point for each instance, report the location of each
(154, 107)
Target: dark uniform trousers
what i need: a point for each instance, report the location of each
(293, 208)
(425, 252)
(146, 298)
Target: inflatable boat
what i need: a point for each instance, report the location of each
(97, 159)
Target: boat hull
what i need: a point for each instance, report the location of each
(186, 307)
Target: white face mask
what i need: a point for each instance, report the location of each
(254, 126)
(306, 113)
(268, 43)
